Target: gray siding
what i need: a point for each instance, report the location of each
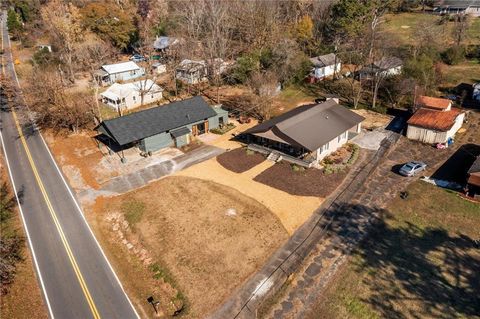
(156, 142)
(181, 141)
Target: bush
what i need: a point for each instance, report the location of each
(297, 168)
(453, 55)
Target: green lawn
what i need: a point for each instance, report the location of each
(421, 262)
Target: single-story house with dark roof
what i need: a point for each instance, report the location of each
(325, 66)
(163, 126)
(473, 182)
(470, 7)
(308, 132)
(386, 67)
(435, 121)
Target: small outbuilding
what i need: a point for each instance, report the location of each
(435, 121)
(476, 92)
(473, 181)
(129, 95)
(124, 71)
(325, 66)
(163, 126)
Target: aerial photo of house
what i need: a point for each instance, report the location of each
(300, 159)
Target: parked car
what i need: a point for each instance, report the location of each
(412, 168)
(137, 58)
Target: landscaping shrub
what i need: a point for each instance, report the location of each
(224, 129)
(453, 55)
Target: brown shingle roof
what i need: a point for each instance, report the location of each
(433, 102)
(435, 120)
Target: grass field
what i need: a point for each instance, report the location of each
(204, 240)
(404, 25)
(421, 262)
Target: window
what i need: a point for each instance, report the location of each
(325, 147)
(152, 96)
(339, 138)
(134, 98)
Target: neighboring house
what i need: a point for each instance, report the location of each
(164, 43)
(435, 121)
(325, 66)
(192, 72)
(476, 92)
(470, 7)
(307, 133)
(128, 96)
(473, 182)
(386, 67)
(163, 126)
(111, 73)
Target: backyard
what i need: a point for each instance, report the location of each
(421, 260)
(185, 235)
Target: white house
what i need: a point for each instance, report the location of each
(476, 91)
(325, 66)
(385, 67)
(129, 95)
(306, 134)
(435, 121)
(111, 73)
(470, 7)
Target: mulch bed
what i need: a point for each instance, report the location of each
(308, 182)
(239, 161)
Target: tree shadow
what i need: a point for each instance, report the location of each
(409, 272)
(456, 166)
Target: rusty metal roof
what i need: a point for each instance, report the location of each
(434, 120)
(434, 102)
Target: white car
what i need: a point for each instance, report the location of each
(412, 168)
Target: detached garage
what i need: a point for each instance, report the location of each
(435, 121)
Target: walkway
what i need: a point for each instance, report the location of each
(142, 177)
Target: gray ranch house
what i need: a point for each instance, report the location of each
(163, 126)
(306, 134)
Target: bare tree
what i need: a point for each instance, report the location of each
(64, 23)
(54, 106)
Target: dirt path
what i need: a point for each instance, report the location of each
(292, 210)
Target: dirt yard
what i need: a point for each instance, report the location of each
(240, 160)
(201, 238)
(422, 261)
(292, 210)
(373, 120)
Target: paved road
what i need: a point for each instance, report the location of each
(76, 279)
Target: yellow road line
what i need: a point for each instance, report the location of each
(65, 243)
